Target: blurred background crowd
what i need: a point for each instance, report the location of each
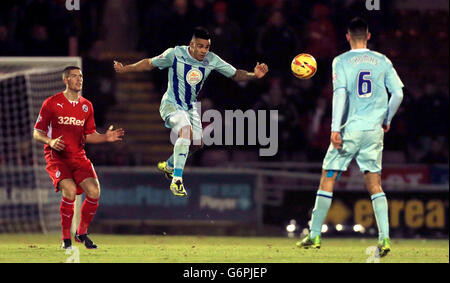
(243, 33)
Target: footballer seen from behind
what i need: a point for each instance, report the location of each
(65, 123)
(189, 66)
(361, 115)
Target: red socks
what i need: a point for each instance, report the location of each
(88, 211)
(66, 212)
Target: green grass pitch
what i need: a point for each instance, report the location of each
(202, 249)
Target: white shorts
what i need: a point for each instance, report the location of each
(182, 118)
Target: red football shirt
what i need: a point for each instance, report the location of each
(60, 117)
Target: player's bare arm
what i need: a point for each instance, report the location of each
(259, 72)
(110, 136)
(141, 66)
(56, 144)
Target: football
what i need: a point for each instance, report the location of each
(304, 66)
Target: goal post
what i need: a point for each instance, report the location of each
(27, 199)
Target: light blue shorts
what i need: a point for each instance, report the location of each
(176, 118)
(365, 146)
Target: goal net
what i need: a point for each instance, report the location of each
(27, 199)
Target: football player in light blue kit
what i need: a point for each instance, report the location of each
(189, 66)
(361, 116)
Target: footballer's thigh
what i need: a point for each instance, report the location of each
(85, 176)
(62, 178)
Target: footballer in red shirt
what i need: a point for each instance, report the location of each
(65, 123)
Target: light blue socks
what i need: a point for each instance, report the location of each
(380, 207)
(323, 203)
(180, 154)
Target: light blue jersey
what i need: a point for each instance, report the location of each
(186, 77)
(365, 75)
(361, 107)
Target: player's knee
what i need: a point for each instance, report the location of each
(185, 132)
(93, 192)
(68, 189)
(326, 186)
(91, 188)
(373, 188)
(69, 192)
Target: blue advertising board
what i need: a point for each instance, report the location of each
(439, 175)
(145, 195)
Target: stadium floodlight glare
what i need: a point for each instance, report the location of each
(305, 231)
(290, 228)
(359, 228)
(339, 227)
(324, 228)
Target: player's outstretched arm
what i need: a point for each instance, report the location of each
(56, 144)
(141, 66)
(110, 136)
(259, 72)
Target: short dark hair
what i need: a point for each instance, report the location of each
(358, 28)
(201, 32)
(67, 70)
